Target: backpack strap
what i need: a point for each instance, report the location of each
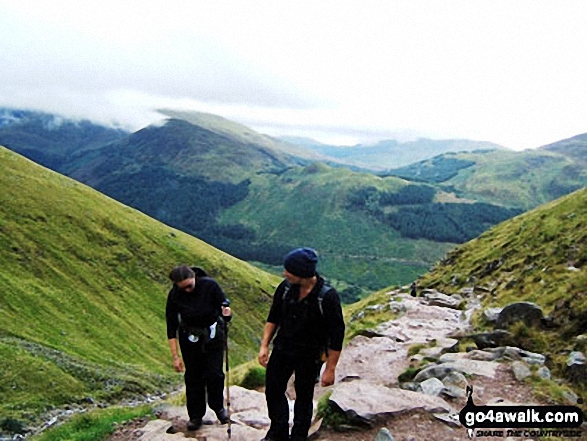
(325, 288)
(321, 294)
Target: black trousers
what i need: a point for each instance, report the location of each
(280, 368)
(203, 376)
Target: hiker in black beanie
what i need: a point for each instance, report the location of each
(307, 316)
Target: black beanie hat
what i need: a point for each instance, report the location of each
(301, 262)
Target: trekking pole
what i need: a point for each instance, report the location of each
(229, 429)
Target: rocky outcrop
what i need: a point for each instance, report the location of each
(529, 313)
(365, 402)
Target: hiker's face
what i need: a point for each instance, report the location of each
(294, 280)
(187, 285)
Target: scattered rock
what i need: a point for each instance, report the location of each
(365, 402)
(492, 314)
(384, 435)
(544, 372)
(456, 379)
(493, 339)
(452, 419)
(444, 301)
(576, 367)
(432, 386)
(521, 370)
(530, 313)
(432, 371)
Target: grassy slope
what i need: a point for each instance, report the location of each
(240, 132)
(306, 206)
(83, 284)
(542, 258)
(516, 179)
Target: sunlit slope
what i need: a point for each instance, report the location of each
(83, 284)
(539, 256)
(310, 206)
(515, 179)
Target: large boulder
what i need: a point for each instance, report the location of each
(576, 367)
(529, 313)
(436, 298)
(366, 402)
(493, 339)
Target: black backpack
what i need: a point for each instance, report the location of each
(325, 288)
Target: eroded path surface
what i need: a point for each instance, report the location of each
(367, 386)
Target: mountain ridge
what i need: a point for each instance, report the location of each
(243, 198)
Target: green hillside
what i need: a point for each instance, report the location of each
(257, 203)
(539, 256)
(222, 126)
(515, 179)
(83, 284)
(239, 191)
(312, 205)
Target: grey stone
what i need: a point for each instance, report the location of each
(384, 435)
(410, 385)
(571, 397)
(576, 367)
(521, 370)
(529, 313)
(467, 291)
(474, 367)
(544, 372)
(456, 379)
(433, 371)
(451, 419)
(443, 300)
(532, 357)
(493, 339)
(432, 386)
(365, 402)
(454, 392)
(491, 314)
(481, 355)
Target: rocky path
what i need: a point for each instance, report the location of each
(367, 387)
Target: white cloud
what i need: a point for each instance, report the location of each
(502, 71)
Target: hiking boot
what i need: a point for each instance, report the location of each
(222, 416)
(194, 424)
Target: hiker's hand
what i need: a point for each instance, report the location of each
(226, 311)
(177, 364)
(264, 356)
(327, 378)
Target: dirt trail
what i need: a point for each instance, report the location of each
(420, 323)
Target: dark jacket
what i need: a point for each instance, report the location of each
(196, 310)
(302, 328)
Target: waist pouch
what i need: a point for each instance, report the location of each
(196, 334)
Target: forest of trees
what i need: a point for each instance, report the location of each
(413, 213)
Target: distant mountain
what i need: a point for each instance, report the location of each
(241, 133)
(49, 139)
(575, 147)
(238, 191)
(514, 179)
(83, 285)
(391, 154)
(539, 256)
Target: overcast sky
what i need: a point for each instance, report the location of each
(511, 72)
